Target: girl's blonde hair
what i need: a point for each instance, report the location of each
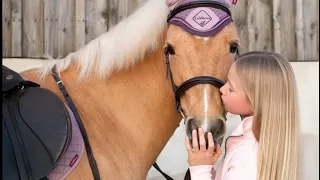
(270, 85)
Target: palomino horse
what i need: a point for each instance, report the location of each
(118, 84)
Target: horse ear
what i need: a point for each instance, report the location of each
(172, 3)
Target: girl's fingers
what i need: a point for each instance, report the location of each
(188, 146)
(217, 154)
(195, 141)
(218, 150)
(210, 142)
(202, 140)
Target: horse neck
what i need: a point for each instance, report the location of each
(129, 117)
(144, 108)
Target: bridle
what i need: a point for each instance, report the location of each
(178, 90)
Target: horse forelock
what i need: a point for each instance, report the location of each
(123, 46)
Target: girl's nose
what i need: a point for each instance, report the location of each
(222, 89)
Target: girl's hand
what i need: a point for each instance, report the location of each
(200, 155)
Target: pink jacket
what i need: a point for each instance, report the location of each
(240, 161)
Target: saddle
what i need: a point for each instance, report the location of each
(36, 128)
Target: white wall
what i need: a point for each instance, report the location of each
(172, 160)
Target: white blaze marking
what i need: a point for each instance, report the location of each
(206, 107)
(204, 38)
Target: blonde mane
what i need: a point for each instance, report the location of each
(121, 47)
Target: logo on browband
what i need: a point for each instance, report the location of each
(202, 18)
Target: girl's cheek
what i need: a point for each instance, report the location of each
(223, 98)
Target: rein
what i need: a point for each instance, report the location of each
(92, 161)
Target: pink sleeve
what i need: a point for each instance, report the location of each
(203, 172)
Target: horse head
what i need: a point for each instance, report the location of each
(201, 44)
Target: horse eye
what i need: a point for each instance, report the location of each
(234, 48)
(170, 49)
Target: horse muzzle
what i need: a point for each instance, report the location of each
(217, 126)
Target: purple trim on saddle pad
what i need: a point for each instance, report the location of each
(201, 21)
(72, 156)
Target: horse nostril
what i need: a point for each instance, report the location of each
(218, 129)
(192, 125)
